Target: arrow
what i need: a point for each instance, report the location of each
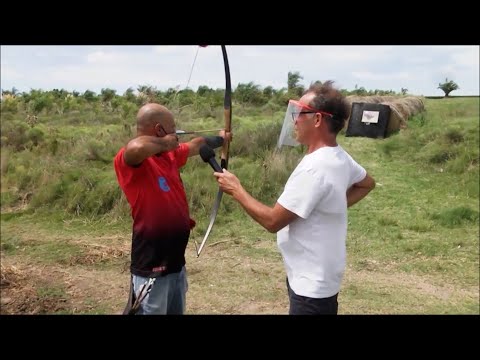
(183, 132)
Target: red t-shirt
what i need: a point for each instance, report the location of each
(161, 220)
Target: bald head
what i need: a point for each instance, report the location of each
(151, 114)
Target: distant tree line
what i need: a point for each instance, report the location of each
(59, 101)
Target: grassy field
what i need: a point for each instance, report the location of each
(413, 243)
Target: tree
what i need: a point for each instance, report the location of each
(147, 93)
(89, 95)
(268, 92)
(129, 95)
(107, 94)
(13, 93)
(249, 94)
(203, 90)
(448, 86)
(293, 87)
(293, 79)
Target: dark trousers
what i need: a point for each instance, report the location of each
(302, 305)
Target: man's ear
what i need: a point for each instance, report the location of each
(158, 130)
(318, 119)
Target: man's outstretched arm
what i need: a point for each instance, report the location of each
(142, 147)
(272, 219)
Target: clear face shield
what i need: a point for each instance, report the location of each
(294, 109)
(287, 135)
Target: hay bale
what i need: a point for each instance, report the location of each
(397, 120)
(381, 99)
(402, 110)
(376, 99)
(415, 104)
(354, 98)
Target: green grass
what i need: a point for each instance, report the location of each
(454, 217)
(43, 251)
(380, 298)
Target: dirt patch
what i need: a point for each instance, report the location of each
(97, 253)
(29, 289)
(25, 291)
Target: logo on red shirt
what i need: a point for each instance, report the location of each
(162, 182)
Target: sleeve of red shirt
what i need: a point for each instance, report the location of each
(181, 154)
(123, 171)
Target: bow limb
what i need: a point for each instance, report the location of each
(227, 106)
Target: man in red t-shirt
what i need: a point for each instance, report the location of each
(147, 170)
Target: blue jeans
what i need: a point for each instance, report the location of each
(167, 296)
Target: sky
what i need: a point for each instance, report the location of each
(418, 68)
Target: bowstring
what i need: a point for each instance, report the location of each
(193, 65)
(191, 72)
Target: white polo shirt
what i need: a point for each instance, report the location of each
(313, 246)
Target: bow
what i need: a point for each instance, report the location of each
(227, 113)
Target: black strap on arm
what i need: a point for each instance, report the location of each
(213, 141)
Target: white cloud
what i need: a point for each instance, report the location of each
(9, 72)
(103, 57)
(467, 57)
(355, 54)
(419, 60)
(174, 50)
(367, 75)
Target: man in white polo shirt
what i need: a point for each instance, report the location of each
(310, 216)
